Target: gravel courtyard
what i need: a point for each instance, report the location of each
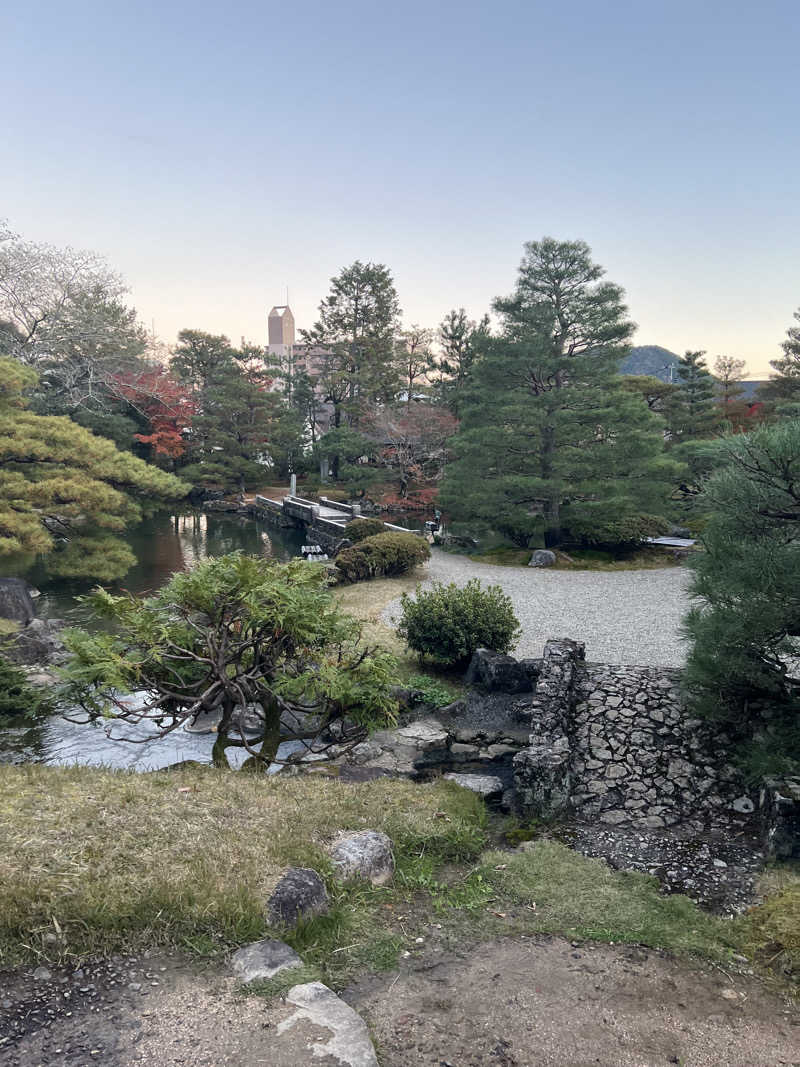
(623, 616)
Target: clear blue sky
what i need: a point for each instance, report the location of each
(217, 152)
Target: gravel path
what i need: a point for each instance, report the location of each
(623, 616)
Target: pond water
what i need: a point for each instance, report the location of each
(163, 544)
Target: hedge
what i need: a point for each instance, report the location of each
(363, 527)
(386, 554)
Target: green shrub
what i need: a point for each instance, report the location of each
(447, 623)
(383, 554)
(359, 529)
(431, 691)
(624, 532)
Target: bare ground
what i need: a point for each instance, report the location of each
(509, 1003)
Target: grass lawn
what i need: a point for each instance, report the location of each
(367, 600)
(99, 862)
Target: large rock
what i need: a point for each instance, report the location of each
(364, 854)
(15, 600)
(302, 1038)
(501, 674)
(263, 959)
(38, 643)
(542, 557)
(486, 785)
(300, 894)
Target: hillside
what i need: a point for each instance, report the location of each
(650, 359)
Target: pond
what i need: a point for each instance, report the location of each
(163, 544)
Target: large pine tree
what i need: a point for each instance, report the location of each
(551, 443)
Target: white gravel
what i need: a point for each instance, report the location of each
(623, 616)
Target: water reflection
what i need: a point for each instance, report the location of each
(163, 544)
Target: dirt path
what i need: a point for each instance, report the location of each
(512, 1003)
(542, 1003)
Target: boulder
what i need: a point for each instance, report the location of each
(300, 894)
(542, 557)
(501, 674)
(38, 643)
(486, 785)
(15, 600)
(364, 854)
(263, 959)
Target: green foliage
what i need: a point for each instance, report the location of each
(384, 554)
(237, 631)
(627, 531)
(242, 430)
(358, 529)
(550, 437)
(65, 491)
(782, 391)
(747, 625)
(447, 623)
(17, 697)
(691, 409)
(431, 691)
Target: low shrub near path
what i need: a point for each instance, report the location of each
(384, 554)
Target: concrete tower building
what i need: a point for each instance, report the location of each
(280, 337)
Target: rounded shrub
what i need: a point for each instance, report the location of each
(386, 554)
(362, 527)
(447, 623)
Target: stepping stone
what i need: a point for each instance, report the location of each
(263, 959)
(298, 1039)
(204, 723)
(487, 785)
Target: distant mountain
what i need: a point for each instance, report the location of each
(651, 359)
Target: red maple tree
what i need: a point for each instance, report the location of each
(165, 403)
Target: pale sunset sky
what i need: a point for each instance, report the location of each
(217, 153)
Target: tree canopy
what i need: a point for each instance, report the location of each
(236, 635)
(551, 442)
(745, 630)
(65, 491)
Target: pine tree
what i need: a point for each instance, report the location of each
(782, 391)
(746, 630)
(728, 391)
(459, 338)
(357, 325)
(64, 491)
(551, 441)
(692, 412)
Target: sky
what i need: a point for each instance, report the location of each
(217, 154)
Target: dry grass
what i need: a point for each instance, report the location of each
(101, 862)
(367, 601)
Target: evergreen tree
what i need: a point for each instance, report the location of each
(782, 391)
(66, 492)
(691, 411)
(728, 391)
(747, 627)
(243, 429)
(459, 338)
(356, 328)
(551, 442)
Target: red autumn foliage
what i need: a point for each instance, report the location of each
(165, 403)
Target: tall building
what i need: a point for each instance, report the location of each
(280, 336)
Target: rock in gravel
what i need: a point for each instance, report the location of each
(542, 557)
(487, 785)
(318, 1008)
(300, 894)
(263, 959)
(364, 854)
(41, 974)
